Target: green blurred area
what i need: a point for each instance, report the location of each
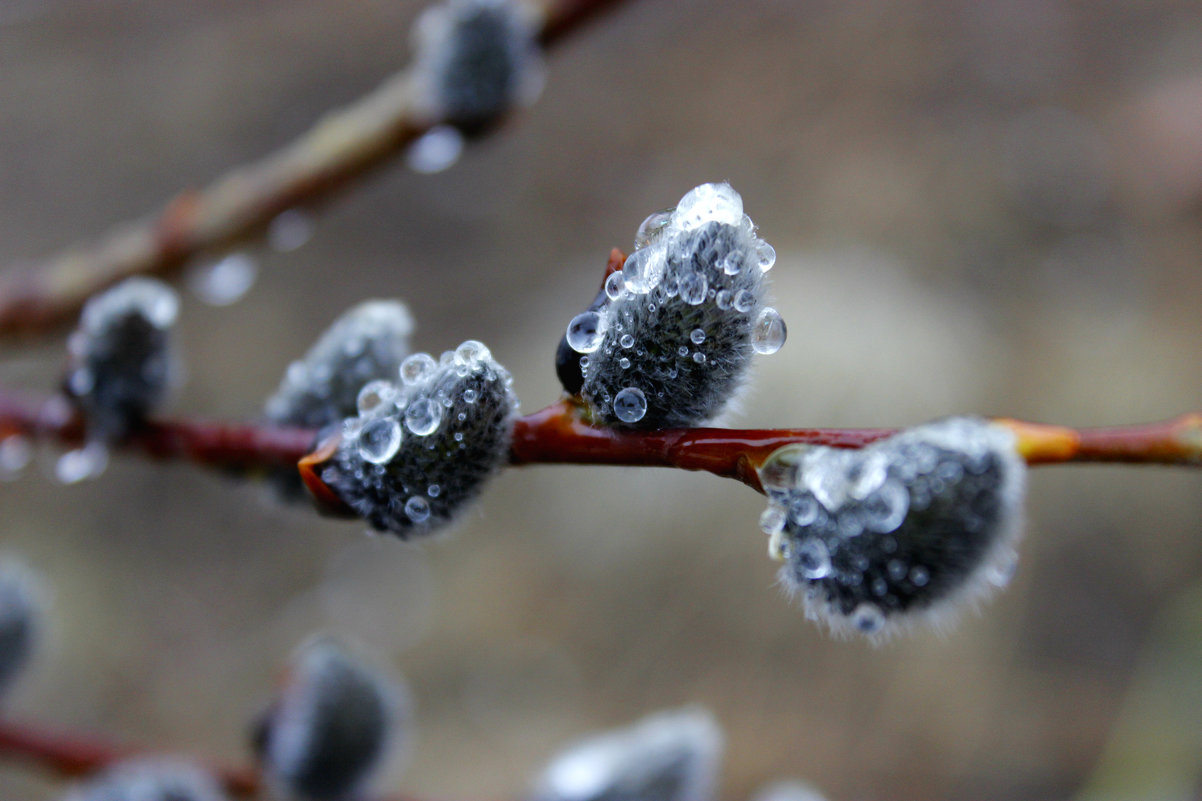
(989, 207)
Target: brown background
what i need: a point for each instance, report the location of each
(986, 207)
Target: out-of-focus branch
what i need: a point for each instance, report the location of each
(558, 434)
(342, 146)
(72, 754)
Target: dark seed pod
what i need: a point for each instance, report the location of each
(671, 342)
(330, 725)
(150, 780)
(905, 529)
(120, 361)
(671, 756)
(419, 451)
(476, 59)
(20, 610)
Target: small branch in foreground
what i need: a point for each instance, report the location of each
(559, 435)
(342, 147)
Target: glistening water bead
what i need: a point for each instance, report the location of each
(630, 405)
(586, 331)
(768, 333)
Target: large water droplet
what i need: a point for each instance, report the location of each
(435, 151)
(630, 404)
(82, 464)
(697, 336)
(768, 333)
(643, 270)
(744, 300)
(716, 202)
(374, 395)
(693, 286)
(885, 509)
(615, 285)
(586, 332)
(417, 509)
(225, 281)
(765, 255)
(651, 228)
(15, 453)
(423, 416)
(471, 352)
(772, 521)
(417, 368)
(813, 558)
(289, 230)
(627, 341)
(868, 618)
(379, 440)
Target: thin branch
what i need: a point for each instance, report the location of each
(71, 754)
(342, 147)
(558, 434)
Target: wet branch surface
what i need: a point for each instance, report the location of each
(558, 434)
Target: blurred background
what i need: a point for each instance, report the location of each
(988, 207)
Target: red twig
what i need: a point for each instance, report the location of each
(559, 435)
(71, 754)
(342, 146)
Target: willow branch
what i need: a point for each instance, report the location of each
(558, 434)
(70, 754)
(341, 148)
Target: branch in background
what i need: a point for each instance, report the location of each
(71, 755)
(342, 147)
(558, 435)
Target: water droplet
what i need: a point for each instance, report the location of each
(651, 228)
(225, 281)
(586, 332)
(433, 490)
(697, 336)
(471, 352)
(804, 510)
(374, 395)
(624, 363)
(289, 230)
(417, 509)
(15, 453)
(732, 262)
(709, 202)
(459, 436)
(683, 350)
(643, 270)
(469, 396)
(1002, 573)
(423, 416)
(919, 576)
(768, 333)
(379, 440)
(82, 464)
(813, 558)
(435, 151)
(744, 300)
(417, 368)
(868, 618)
(627, 341)
(885, 509)
(699, 357)
(724, 299)
(772, 520)
(615, 285)
(693, 286)
(896, 569)
(765, 255)
(630, 404)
